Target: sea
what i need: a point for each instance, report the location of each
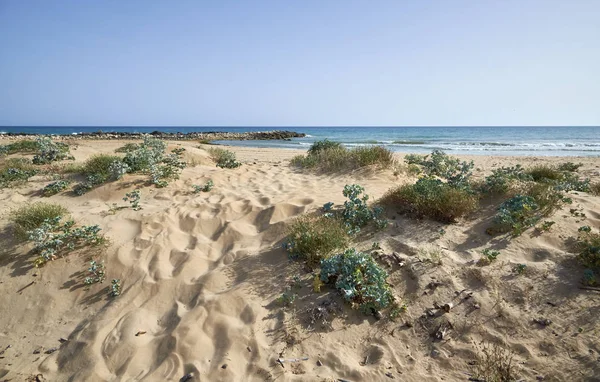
(476, 140)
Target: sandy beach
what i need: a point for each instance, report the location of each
(201, 274)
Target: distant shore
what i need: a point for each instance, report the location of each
(208, 136)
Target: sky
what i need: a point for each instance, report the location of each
(299, 63)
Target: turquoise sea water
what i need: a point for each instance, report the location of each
(540, 140)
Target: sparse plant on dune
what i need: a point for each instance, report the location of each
(588, 245)
(15, 171)
(49, 151)
(523, 211)
(53, 239)
(127, 148)
(489, 256)
(356, 213)
(115, 288)
(313, 238)
(97, 273)
(569, 166)
(495, 363)
(55, 187)
(224, 158)
(133, 198)
(23, 146)
(203, 188)
(360, 280)
(32, 216)
(546, 226)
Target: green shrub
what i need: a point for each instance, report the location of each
(315, 238)
(516, 214)
(372, 155)
(128, 147)
(500, 180)
(150, 158)
(21, 146)
(98, 169)
(50, 151)
(323, 145)
(32, 216)
(432, 198)
(544, 173)
(360, 280)
(54, 238)
(356, 213)
(331, 156)
(55, 187)
(588, 245)
(223, 158)
(439, 164)
(569, 166)
(524, 210)
(100, 166)
(15, 171)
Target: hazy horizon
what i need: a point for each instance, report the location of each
(274, 64)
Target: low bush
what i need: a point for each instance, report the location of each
(32, 216)
(372, 155)
(15, 171)
(312, 239)
(544, 172)
(569, 166)
(150, 158)
(98, 169)
(54, 238)
(432, 198)
(500, 180)
(24, 146)
(55, 187)
(522, 211)
(588, 245)
(128, 147)
(595, 188)
(331, 156)
(50, 151)
(223, 158)
(360, 280)
(495, 363)
(439, 164)
(356, 213)
(516, 215)
(323, 145)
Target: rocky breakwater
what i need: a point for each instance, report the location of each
(208, 136)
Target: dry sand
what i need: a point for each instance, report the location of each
(201, 274)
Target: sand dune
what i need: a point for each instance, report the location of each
(201, 274)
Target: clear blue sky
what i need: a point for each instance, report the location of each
(292, 63)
